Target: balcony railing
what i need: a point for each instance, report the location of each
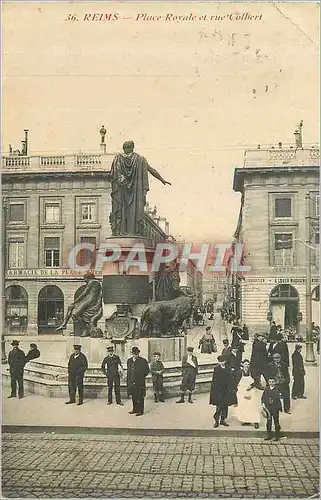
(279, 157)
(57, 163)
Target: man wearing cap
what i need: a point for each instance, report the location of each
(110, 368)
(33, 353)
(189, 372)
(223, 392)
(278, 371)
(76, 370)
(16, 360)
(137, 371)
(298, 373)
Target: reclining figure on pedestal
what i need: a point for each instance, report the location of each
(86, 310)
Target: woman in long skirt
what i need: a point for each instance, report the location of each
(248, 400)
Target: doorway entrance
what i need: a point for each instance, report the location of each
(284, 305)
(50, 309)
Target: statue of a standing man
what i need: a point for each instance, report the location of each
(129, 179)
(103, 133)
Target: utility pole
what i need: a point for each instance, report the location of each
(309, 352)
(4, 265)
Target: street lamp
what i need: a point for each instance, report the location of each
(4, 259)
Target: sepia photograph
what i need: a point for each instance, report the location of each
(160, 249)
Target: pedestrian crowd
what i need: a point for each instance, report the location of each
(236, 381)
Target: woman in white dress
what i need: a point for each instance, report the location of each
(248, 400)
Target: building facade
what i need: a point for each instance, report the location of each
(279, 226)
(214, 290)
(50, 204)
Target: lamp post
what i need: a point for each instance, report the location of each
(4, 261)
(309, 351)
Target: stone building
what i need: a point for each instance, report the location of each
(50, 204)
(214, 289)
(278, 223)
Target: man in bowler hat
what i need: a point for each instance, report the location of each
(137, 371)
(77, 366)
(110, 368)
(16, 360)
(223, 392)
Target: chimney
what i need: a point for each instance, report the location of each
(26, 142)
(280, 145)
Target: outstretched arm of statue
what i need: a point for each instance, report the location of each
(67, 318)
(155, 174)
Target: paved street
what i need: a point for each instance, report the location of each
(52, 465)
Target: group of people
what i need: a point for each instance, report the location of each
(137, 371)
(235, 382)
(17, 361)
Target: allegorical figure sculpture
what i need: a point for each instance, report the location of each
(87, 309)
(129, 179)
(103, 133)
(167, 282)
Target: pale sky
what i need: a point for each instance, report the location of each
(193, 95)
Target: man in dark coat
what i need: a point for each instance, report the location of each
(77, 366)
(245, 330)
(223, 392)
(189, 372)
(16, 360)
(259, 361)
(110, 367)
(273, 332)
(281, 347)
(278, 371)
(234, 365)
(298, 373)
(33, 353)
(237, 341)
(137, 371)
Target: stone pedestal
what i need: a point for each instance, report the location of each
(171, 349)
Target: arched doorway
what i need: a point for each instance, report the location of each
(16, 308)
(316, 305)
(50, 309)
(284, 305)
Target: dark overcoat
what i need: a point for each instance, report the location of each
(223, 391)
(16, 360)
(77, 366)
(273, 369)
(137, 372)
(297, 364)
(281, 348)
(259, 358)
(32, 354)
(271, 400)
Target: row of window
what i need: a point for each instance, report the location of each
(50, 306)
(52, 253)
(283, 251)
(17, 212)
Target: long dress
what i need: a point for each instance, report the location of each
(248, 402)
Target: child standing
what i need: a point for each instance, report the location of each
(157, 370)
(272, 404)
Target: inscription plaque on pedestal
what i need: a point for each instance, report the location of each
(122, 289)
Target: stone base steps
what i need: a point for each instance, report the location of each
(51, 380)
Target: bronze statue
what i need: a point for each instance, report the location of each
(166, 317)
(103, 133)
(167, 282)
(87, 309)
(129, 179)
